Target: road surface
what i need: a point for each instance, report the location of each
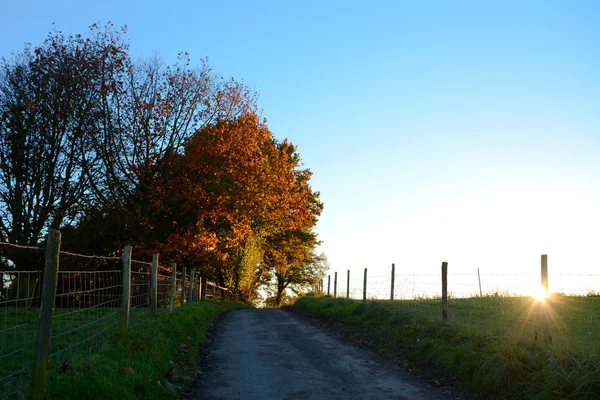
(275, 354)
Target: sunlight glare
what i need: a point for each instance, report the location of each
(540, 294)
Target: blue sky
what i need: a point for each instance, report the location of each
(464, 131)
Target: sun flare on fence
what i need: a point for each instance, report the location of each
(540, 294)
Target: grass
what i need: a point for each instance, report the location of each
(91, 359)
(490, 346)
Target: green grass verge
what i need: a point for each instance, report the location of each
(155, 360)
(490, 350)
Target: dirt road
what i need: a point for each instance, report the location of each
(275, 354)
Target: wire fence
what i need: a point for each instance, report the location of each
(20, 294)
(515, 307)
(88, 301)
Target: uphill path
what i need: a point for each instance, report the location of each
(275, 354)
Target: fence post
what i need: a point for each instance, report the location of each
(126, 295)
(191, 287)
(479, 279)
(154, 284)
(348, 286)
(204, 288)
(173, 286)
(42, 347)
(183, 286)
(328, 284)
(445, 291)
(365, 286)
(335, 285)
(214, 290)
(544, 304)
(393, 278)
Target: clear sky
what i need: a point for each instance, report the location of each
(463, 131)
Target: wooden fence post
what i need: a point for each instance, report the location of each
(154, 284)
(173, 286)
(126, 294)
(204, 288)
(328, 284)
(479, 279)
(183, 286)
(348, 286)
(199, 294)
(191, 287)
(365, 286)
(544, 304)
(335, 285)
(445, 291)
(393, 278)
(42, 347)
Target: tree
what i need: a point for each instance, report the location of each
(294, 263)
(48, 110)
(170, 159)
(84, 130)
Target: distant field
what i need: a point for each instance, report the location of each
(493, 346)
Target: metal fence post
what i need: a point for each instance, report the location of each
(173, 286)
(154, 284)
(42, 348)
(126, 294)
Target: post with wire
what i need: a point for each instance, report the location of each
(544, 304)
(154, 284)
(445, 291)
(182, 299)
(126, 294)
(365, 286)
(42, 348)
(173, 286)
(335, 285)
(348, 285)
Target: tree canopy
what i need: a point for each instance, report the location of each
(169, 158)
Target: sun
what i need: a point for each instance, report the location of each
(540, 294)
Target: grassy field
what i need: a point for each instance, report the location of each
(90, 359)
(493, 346)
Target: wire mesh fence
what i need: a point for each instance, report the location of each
(20, 293)
(502, 305)
(86, 303)
(86, 307)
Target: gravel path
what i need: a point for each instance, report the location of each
(275, 354)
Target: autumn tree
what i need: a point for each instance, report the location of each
(85, 130)
(168, 158)
(231, 187)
